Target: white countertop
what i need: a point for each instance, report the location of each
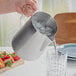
(38, 68)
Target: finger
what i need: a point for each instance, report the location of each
(32, 13)
(35, 1)
(28, 13)
(19, 10)
(27, 10)
(34, 6)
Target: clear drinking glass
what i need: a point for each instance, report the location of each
(56, 63)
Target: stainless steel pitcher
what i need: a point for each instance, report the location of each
(34, 36)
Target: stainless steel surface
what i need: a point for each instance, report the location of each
(45, 24)
(35, 35)
(23, 35)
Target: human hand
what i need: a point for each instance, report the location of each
(26, 7)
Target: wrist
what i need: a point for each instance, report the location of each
(11, 6)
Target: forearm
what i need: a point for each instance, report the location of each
(6, 6)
